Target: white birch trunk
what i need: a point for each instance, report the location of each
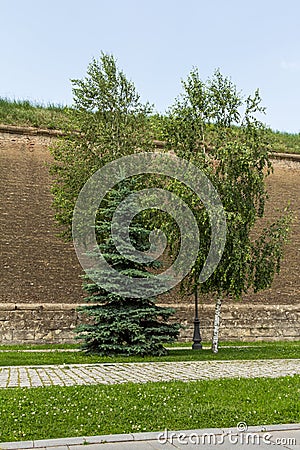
(215, 338)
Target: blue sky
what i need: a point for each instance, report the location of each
(156, 43)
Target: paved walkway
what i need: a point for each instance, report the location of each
(105, 373)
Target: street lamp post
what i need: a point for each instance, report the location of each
(197, 336)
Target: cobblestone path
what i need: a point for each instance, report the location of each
(87, 374)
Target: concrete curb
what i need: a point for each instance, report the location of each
(155, 437)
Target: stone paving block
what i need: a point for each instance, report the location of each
(148, 441)
(146, 436)
(282, 427)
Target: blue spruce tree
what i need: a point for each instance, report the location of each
(122, 324)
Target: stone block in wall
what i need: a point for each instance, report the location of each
(7, 306)
(4, 325)
(236, 331)
(275, 332)
(23, 335)
(6, 316)
(64, 335)
(46, 336)
(6, 337)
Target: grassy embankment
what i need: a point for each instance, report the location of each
(24, 113)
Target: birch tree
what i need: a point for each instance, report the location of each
(212, 125)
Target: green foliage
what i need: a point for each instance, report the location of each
(157, 123)
(267, 252)
(123, 324)
(111, 122)
(214, 127)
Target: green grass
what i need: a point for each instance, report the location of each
(38, 346)
(56, 412)
(25, 113)
(233, 344)
(175, 344)
(264, 351)
(286, 142)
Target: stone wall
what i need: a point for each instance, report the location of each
(55, 323)
(28, 323)
(244, 322)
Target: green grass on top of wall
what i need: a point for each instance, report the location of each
(26, 113)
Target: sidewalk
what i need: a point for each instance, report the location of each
(255, 438)
(107, 373)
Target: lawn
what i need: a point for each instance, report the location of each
(53, 412)
(248, 351)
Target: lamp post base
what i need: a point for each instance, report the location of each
(197, 346)
(197, 337)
